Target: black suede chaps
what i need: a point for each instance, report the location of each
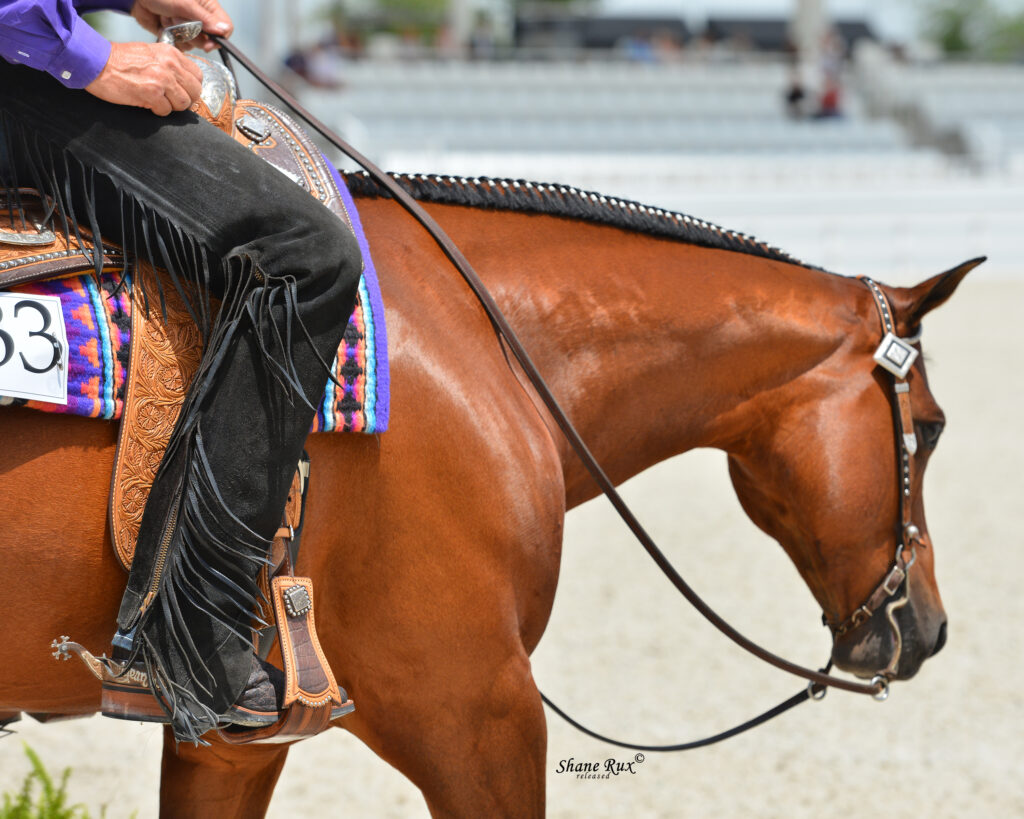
(183, 195)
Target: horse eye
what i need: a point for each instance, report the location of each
(929, 433)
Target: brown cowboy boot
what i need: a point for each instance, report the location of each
(129, 697)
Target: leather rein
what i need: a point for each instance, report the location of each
(891, 350)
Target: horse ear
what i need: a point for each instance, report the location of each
(911, 304)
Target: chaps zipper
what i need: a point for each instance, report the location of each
(161, 555)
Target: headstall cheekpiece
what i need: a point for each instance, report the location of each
(897, 356)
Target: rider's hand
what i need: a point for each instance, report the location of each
(154, 15)
(148, 75)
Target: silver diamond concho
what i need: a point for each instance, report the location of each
(256, 128)
(895, 355)
(296, 601)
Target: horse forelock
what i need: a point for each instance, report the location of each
(522, 196)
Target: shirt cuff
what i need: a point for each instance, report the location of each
(84, 56)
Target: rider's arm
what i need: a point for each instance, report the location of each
(49, 35)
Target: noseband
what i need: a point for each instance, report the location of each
(895, 355)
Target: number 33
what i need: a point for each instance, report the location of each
(8, 342)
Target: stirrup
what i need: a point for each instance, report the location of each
(312, 698)
(133, 701)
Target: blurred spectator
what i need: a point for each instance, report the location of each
(638, 48)
(446, 44)
(482, 40)
(833, 54)
(297, 62)
(796, 96)
(667, 46)
(325, 65)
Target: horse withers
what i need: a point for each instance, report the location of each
(658, 334)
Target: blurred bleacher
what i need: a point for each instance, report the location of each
(591, 107)
(983, 104)
(864, 193)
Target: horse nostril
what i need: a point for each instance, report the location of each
(941, 640)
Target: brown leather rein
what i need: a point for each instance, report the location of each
(891, 349)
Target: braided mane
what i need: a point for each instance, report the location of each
(572, 203)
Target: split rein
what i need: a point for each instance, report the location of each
(820, 680)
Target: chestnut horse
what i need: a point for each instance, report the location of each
(435, 547)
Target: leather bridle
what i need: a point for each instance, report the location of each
(897, 356)
(892, 348)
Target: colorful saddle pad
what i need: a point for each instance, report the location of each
(97, 317)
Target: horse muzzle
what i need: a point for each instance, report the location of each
(893, 642)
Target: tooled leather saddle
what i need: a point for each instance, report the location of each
(165, 354)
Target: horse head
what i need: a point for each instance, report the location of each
(822, 474)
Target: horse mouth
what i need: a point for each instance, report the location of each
(869, 650)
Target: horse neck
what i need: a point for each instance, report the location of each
(656, 347)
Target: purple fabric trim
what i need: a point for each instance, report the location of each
(383, 409)
(85, 6)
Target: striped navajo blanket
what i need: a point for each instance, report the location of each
(97, 318)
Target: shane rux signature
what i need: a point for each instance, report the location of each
(599, 770)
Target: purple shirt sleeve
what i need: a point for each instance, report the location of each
(49, 35)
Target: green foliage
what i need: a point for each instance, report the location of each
(40, 797)
(1007, 41)
(948, 25)
(424, 17)
(975, 28)
(97, 20)
(387, 15)
(582, 3)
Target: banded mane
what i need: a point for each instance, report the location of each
(521, 196)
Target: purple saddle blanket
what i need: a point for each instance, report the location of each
(97, 318)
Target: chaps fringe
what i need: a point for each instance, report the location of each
(214, 554)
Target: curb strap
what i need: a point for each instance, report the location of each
(886, 589)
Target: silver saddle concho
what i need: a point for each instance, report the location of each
(38, 236)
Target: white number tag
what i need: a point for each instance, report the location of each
(33, 348)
